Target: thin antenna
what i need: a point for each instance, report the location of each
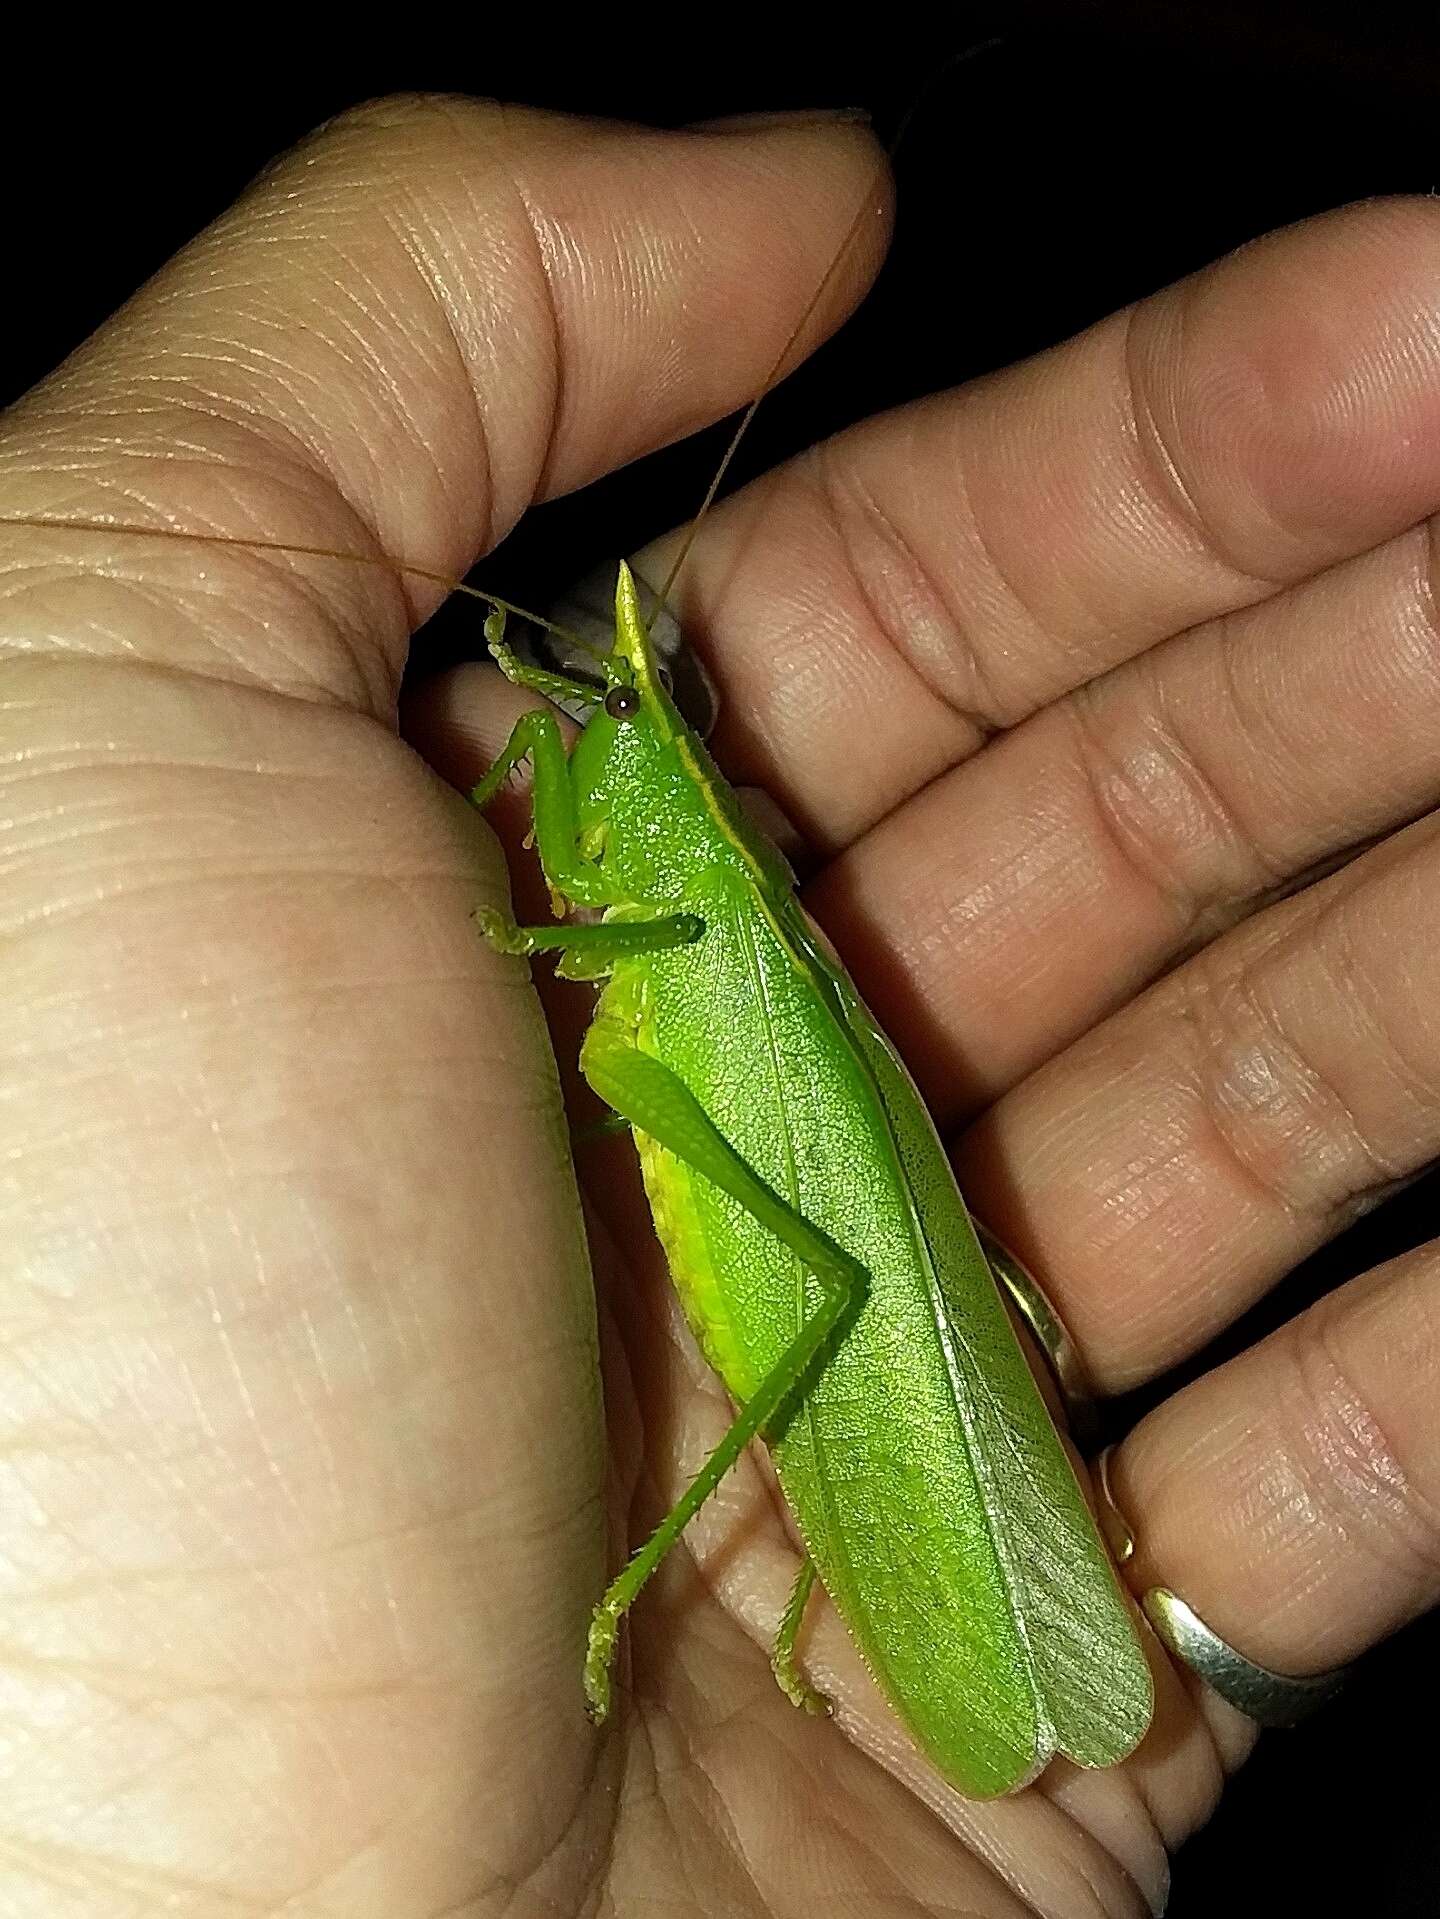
(767, 386)
(55, 524)
(772, 378)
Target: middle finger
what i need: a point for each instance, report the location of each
(1165, 1170)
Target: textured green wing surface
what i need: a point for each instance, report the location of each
(920, 1461)
(1090, 1670)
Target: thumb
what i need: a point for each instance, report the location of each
(429, 315)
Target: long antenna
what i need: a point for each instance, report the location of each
(767, 385)
(54, 523)
(772, 378)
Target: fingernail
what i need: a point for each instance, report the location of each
(794, 117)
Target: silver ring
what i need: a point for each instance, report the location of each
(1269, 1698)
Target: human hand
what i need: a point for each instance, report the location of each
(304, 1507)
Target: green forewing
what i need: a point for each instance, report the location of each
(1090, 1675)
(919, 1460)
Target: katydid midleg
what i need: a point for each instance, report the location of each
(823, 1254)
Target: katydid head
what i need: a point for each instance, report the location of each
(648, 799)
(633, 666)
(635, 717)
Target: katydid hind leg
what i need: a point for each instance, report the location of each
(656, 1101)
(783, 1663)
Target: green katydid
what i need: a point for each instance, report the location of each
(822, 1251)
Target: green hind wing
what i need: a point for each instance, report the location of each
(1090, 1671)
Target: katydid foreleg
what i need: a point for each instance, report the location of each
(537, 735)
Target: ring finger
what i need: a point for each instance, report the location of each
(1292, 1497)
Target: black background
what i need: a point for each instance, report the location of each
(1095, 153)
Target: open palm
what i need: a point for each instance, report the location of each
(1069, 680)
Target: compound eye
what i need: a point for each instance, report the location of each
(622, 702)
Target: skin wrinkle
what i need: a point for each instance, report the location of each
(76, 1869)
(184, 379)
(1004, 1861)
(1157, 1839)
(642, 273)
(361, 695)
(62, 1137)
(536, 228)
(390, 409)
(262, 1572)
(667, 259)
(357, 345)
(1146, 1827)
(1377, 1471)
(1003, 1856)
(65, 908)
(601, 1857)
(1207, 986)
(662, 1802)
(271, 450)
(1135, 843)
(442, 295)
(1357, 985)
(1162, 478)
(840, 492)
(367, 692)
(1228, 1112)
(48, 678)
(1269, 871)
(998, 712)
(1426, 599)
(716, 1817)
(1143, 834)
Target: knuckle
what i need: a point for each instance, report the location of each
(898, 596)
(1348, 1456)
(1282, 1118)
(1168, 819)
